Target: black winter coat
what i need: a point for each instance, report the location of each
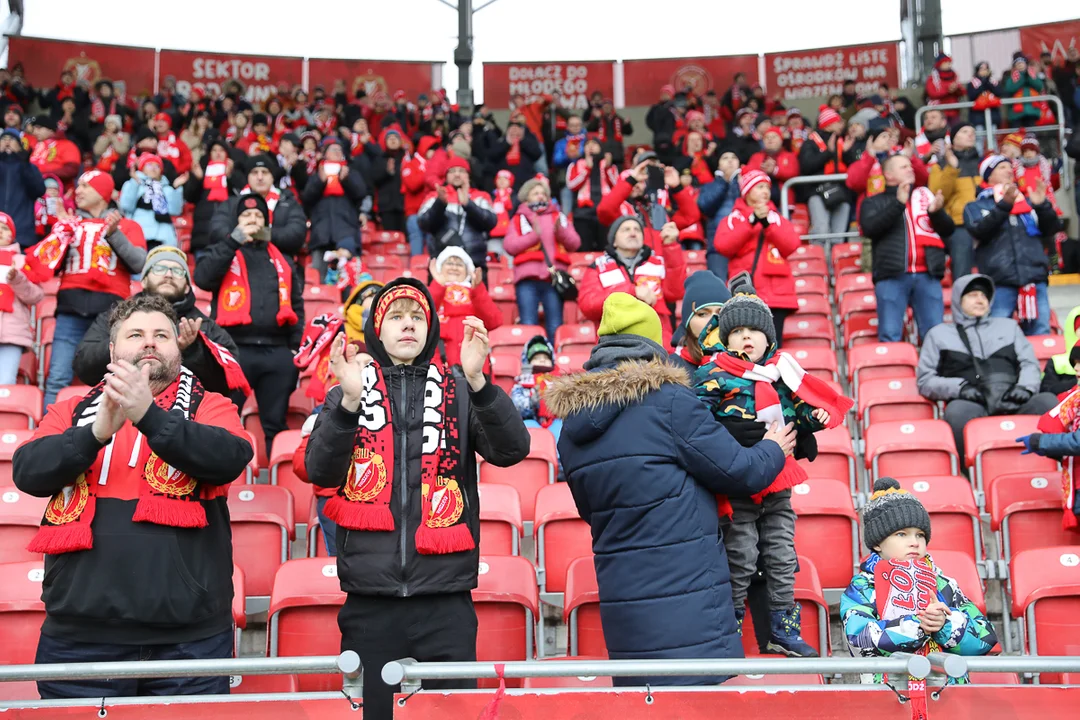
(812, 161)
(1006, 251)
(203, 215)
(882, 220)
(264, 328)
(21, 185)
(531, 151)
(92, 356)
(287, 232)
(387, 563)
(335, 219)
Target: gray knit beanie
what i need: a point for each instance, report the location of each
(745, 309)
(890, 509)
(618, 223)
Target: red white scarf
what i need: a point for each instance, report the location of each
(272, 198)
(166, 495)
(44, 151)
(333, 186)
(168, 146)
(43, 259)
(216, 180)
(503, 200)
(363, 500)
(920, 232)
(815, 392)
(234, 298)
(616, 129)
(1061, 419)
(234, 374)
(7, 294)
(313, 357)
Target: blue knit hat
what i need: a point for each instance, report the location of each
(702, 289)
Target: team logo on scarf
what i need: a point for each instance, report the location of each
(68, 505)
(446, 502)
(457, 295)
(166, 479)
(234, 297)
(367, 476)
(50, 249)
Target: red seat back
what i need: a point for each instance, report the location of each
(303, 613)
(507, 605)
(261, 517)
(20, 518)
(21, 611)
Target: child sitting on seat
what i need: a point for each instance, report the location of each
(896, 526)
(745, 379)
(537, 368)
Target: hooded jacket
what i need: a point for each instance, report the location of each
(1005, 356)
(529, 230)
(645, 459)
(92, 356)
(387, 563)
(1059, 375)
(1005, 251)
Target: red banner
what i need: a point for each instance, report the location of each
(817, 73)
(1054, 38)
(574, 81)
(644, 78)
(130, 69)
(373, 76)
(259, 76)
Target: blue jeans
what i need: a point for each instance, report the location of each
(962, 253)
(61, 650)
(531, 294)
(66, 338)
(894, 295)
(1004, 305)
(10, 357)
(329, 527)
(417, 246)
(717, 264)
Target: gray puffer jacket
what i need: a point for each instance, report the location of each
(1006, 358)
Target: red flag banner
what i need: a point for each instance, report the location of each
(817, 73)
(1054, 38)
(574, 81)
(259, 76)
(373, 76)
(644, 78)
(131, 69)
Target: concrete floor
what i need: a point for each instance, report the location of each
(1063, 298)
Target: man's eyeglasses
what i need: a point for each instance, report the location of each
(161, 270)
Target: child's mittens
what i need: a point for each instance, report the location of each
(1031, 443)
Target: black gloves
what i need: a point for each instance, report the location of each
(806, 447)
(972, 394)
(1017, 396)
(745, 431)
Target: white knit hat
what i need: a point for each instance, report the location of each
(458, 252)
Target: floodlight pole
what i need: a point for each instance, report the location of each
(463, 54)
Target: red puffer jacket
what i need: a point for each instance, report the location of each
(737, 238)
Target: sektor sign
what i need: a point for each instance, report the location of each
(259, 76)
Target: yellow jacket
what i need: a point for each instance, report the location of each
(958, 191)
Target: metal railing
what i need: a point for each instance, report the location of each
(826, 239)
(1060, 127)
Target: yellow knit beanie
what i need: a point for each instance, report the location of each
(624, 314)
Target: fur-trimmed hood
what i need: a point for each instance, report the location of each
(618, 387)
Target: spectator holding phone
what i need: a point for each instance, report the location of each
(287, 224)
(654, 194)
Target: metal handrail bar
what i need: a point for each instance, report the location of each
(785, 207)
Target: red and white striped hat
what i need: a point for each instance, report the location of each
(747, 181)
(827, 116)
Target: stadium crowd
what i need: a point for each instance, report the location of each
(187, 241)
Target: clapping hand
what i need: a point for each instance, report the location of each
(474, 351)
(1037, 196)
(937, 203)
(903, 193)
(347, 364)
(1010, 194)
(129, 387)
(189, 331)
(112, 221)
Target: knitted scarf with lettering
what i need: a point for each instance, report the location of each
(363, 500)
(167, 496)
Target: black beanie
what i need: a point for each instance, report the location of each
(891, 508)
(253, 201)
(745, 309)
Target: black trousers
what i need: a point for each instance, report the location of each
(591, 233)
(427, 628)
(270, 372)
(393, 220)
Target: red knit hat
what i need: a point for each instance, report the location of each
(163, 116)
(399, 95)
(148, 158)
(695, 115)
(774, 131)
(748, 180)
(5, 219)
(458, 162)
(827, 116)
(102, 183)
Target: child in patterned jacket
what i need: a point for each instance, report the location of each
(896, 526)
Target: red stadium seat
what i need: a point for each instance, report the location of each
(315, 308)
(239, 613)
(845, 250)
(584, 258)
(249, 418)
(303, 614)
(536, 471)
(773, 680)
(505, 367)
(10, 440)
(20, 518)
(1045, 591)
(514, 336)
(906, 449)
(864, 303)
(20, 407)
(857, 282)
(820, 362)
(1046, 346)
(578, 335)
(893, 399)
(1026, 513)
(809, 266)
(506, 300)
(282, 475)
(827, 530)
(72, 391)
(420, 263)
(300, 407)
(44, 309)
(953, 514)
(961, 568)
(262, 528)
(811, 285)
(808, 251)
(507, 605)
(311, 276)
(388, 265)
(880, 360)
(588, 681)
(561, 536)
(814, 305)
(21, 611)
(815, 610)
(810, 331)
(28, 372)
(836, 458)
(581, 610)
(860, 329)
(322, 293)
(252, 684)
(573, 359)
(848, 266)
(1036, 480)
(994, 678)
(500, 519)
(991, 448)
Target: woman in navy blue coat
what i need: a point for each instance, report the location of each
(645, 460)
